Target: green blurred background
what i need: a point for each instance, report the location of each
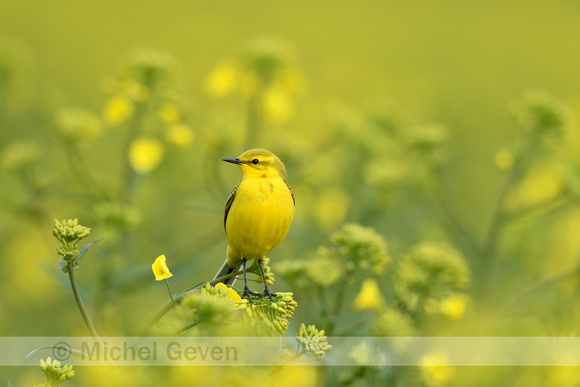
(461, 65)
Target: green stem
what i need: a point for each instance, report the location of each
(216, 185)
(129, 177)
(323, 306)
(338, 303)
(456, 224)
(168, 289)
(189, 326)
(491, 243)
(82, 173)
(545, 207)
(171, 303)
(225, 277)
(350, 331)
(519, 299)
(81, 305)
(296, 356)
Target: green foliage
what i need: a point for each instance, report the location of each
(543, 120)
(69, 233)
(151, 69)
(541, 114)
(392, 322)
(216, 310)
(268, 274)
(55, 374)
(361, 246)
(426, 238)
(20, 156)
(74, 126)
(430, 271)
(313, 341)
(267, 58)
(269, 317)
(355, 249)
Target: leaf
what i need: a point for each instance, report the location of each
(84, 249)
(62, 265)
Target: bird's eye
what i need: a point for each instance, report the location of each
(255, 161)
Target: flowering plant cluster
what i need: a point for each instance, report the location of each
(387, 240)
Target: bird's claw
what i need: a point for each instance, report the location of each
(248, 294)
(267, 293)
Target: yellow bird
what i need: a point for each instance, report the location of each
(258, 212)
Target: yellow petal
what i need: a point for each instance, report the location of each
(369, 297)
(220, 286)
(436, 367)
(231, 293)
(453, 307)
(160, 269)
(222, 80)
(276, 107)
(180, 135)
(117, 110)
(145, 154)
(169, 114)
(234, 295)
(504, 160)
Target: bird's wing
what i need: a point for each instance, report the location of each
(291, 193)
(230, 201)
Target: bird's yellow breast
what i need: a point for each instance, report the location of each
(259, 218)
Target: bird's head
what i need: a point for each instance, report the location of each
(256, 163)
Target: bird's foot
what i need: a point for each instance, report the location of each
(267, 293)
(248, 293)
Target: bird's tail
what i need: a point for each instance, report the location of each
(225, 270)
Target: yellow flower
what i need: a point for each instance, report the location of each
(76, 125)
(504, 160)
(160, 269)
(231, 293)
(117, 109)
(541, 185)
(169, 114)
(203, 375)
(276, 107)
(137, 91)
(27, 242)
(323, 271)
(453, 307)
(435, 367)
(20, 155)
(563, 376)
(293, 376)
(180, 135)
(120, 376)
(369, 297)
(145, 154)
(222, 80)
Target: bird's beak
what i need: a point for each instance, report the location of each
(233, 160)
